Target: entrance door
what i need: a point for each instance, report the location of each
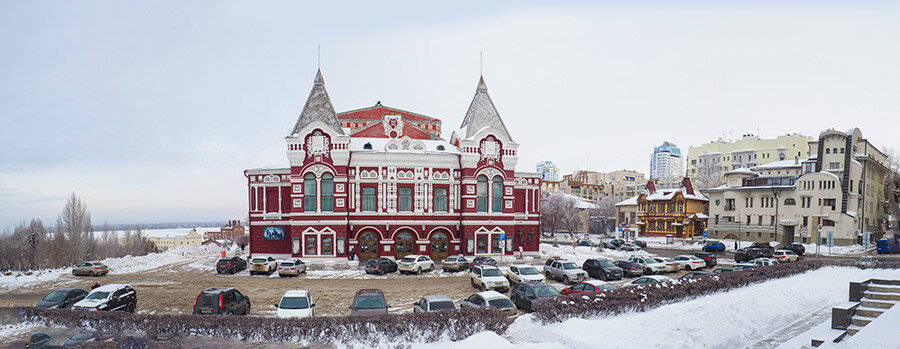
(368, 247)
(679, 231)
(439, 244)
(404, 245)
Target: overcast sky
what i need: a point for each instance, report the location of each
(150, 113)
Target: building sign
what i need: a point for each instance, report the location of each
(273, 233)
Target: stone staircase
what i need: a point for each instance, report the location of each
(878, 297)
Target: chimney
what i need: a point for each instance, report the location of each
(688, 187)
(651, 187)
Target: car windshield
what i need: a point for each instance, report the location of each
(287, 264)
(372, 262)
(569, 265)
(651, 260)
(861, 259)
(501, 303)
(224, 260)
(408, 259)
(528, 271)
(259, 260)
(82, 336)
(84, 265)
(491, 272)
(606, 287)
(606, 264)
(545, 291)
(450, 259)
(373, 302)
(294, 303)
(98, 295)
(55, 296)
(441, 305)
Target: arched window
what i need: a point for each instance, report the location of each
(367, 146)
(440, 199)
(790, 202)
(404, 199)
(368, 199)
(497, 195)
(309, 192)
(327, 192)
(440, 147)
(482, 192)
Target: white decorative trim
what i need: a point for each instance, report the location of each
(490, 173)
(393, 123)
(339, 202)
(298, 203)
(271, 178)
(298, 188)
(509, 203)
(490, 150)
(339, 187)
(470, 203)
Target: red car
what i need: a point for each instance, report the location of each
(589, 286)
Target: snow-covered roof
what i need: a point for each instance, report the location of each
(166, 233)
(380, 144)
(779, 164)
(482, 113)
(318, 107)
(632, 201)
(742, 170)
(667, 194)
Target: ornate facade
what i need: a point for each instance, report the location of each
(379, 181)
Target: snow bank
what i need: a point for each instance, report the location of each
(581, 253)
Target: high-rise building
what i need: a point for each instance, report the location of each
(548, 171)
(708, 163)
(666, 161)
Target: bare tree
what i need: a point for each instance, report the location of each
(892, 188)
(708, 178)
(75, 224)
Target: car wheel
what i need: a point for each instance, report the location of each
(419, 271)
(548, 276)
(566, 279)
(131, 308)
(648, 271)
(473, 283)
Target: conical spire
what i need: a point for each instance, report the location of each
(482, 113)
(318, 108)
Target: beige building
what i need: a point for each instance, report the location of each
(838, 189)
(168, 238)
(709, 162)
(625, 183)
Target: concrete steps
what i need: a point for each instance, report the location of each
(877, 303)
(892, 296)
(853, 329)
(877, 299)
(869, 312)
(861, 320)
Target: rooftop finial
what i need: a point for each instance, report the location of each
(319, 62)
(481, 64)
(481, 85)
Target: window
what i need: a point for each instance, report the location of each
(789, 202)
(327, 245)
(440, 199)
(309, 192)
(311, 245)
(327, 192)
(829, 202)
(497, 194)
(440, 147)
(404, 199)
(368, 199)
(482, 193)
(367, 146)
(834, 165)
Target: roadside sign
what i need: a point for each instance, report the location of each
(502, 237)
(620, 228)
(830, 239)
(704, 234)
(867, 235)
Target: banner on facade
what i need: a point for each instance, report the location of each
(273, 233)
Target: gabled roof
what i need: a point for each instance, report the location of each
(377, 130)
(482, 113)
(378, 111)
(318, 108)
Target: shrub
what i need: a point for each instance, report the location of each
(649, 296)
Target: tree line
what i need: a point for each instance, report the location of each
(31, 246)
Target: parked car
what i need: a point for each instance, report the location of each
(799, 249)
(746, 254)
(762, 262)
(689, 262)
(714, 246)
(37, 340)
(610, 245)
(648, 279)
(490, 299)
(291, 268)
(221, 301)
(617, 242)
(369, 302)
(671, 264)
(640, 243)
(649, 264)
(455, 263)
(433, 303)
(295, 304)
(707, 257)
(763, 245)
(90, 269)
(629, 247)
(263, 265)
(589, 286)
(118, 297)
(723, 270)
(89, 337)
(487, 277)
(602, 269)
(62, 298)
(866, 261)
(523, 273)
(743, 266)
(380, 266)
(563, 270)
(483, 260)
(230, 265)
(585, 243)
(785, 256)
(630, 268)
(696, 273)
(524, 294)
(414, 263)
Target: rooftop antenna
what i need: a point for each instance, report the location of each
(481, 64)
(319, 63)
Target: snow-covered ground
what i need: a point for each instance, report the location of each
(761, 315)
(696, 245)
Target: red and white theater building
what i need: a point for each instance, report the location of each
(380, 181)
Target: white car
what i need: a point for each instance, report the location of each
(671, 264)
(762, 262)
(486, 277)
(647, 279)
(651, 266)
(785, 256)
(689, 262)
(295, 304)
(518, 273)
(415, 263)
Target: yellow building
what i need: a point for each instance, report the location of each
(707, 163)
(680, 212)
(168, 238)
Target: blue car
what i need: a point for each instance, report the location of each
(714, 246)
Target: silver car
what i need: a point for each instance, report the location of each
(433, 303)
(291, 268)
(564, 270)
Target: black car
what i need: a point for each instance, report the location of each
(380, 266)
(696, 273)
(584, 243)
(608, 245)
(640, 243)
(221, 301)
(710, 258)
(746, 254)
(764, 245)
(617, 242)
(524, 294)
(115, 297)
(88, 337)
(483, 261)
(62, 298)
(602, 269)
(797, 248)
(630, 268)
(230, 265)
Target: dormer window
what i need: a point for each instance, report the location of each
(367, 146)
(440, 147)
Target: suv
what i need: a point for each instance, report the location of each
(415, 264)
(564, 270)
(380, 266)
(455, 263)
(230, 265)
(295, 304)
(369, 302)
(714, 246)
(630, 268)
(109, 297)
(799, 249)
(90, 269)
(762, 262)
(602, 269)
(261, 265)
(709, 258)
(291, 268)
(221, 301)
(61, 298)
(483, 261)
(521, 273)
(650, 265)
(746, 254)
(486, 277)
(524, 294)
(433, 303)
(492, 299)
